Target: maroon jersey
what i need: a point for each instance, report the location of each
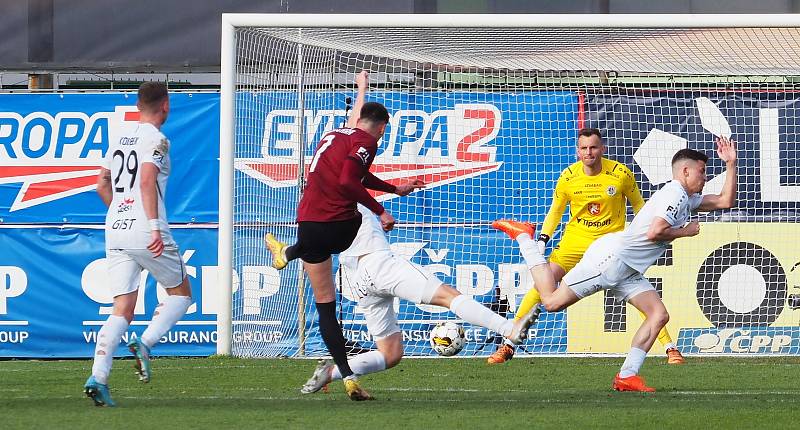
(324, 200)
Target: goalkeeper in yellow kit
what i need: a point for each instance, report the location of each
(596, 190)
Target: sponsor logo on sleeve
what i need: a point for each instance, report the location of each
(363, 154)
(161, 150)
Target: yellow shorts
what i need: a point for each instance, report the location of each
(570, 250)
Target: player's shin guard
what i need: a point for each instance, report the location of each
(475, 313)
(332, 336)
(169, 312)
(107, 342)
(633, 362)
(530, 251)
(363, 364)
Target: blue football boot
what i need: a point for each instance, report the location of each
(98, 393)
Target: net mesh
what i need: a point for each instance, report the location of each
(488, 118)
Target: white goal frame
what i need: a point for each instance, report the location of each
(230, 22)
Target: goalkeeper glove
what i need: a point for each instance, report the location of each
(541, 242)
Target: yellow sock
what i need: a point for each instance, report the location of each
(531, 299)
(663, 336)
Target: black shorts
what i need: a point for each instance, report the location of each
(317, 241)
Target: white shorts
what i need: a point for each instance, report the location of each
(125, 268)
(382, 276)
(600, 269)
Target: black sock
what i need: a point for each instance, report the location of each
(291, 252)
(332, 335)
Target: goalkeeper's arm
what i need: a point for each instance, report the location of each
(552, 219)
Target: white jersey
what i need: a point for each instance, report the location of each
(370, 237)
(127, 226)
(670, 203)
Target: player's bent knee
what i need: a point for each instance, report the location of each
(393, 361)
(660, 318)
(444, 295)
(183, 289)
(392, 349)
(663, 318)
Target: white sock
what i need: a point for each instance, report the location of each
(669, 346)
(363, 364)
(632, 363)
(530, 251)
(107, 341)
(475, 313)
(167, 314)
(524, 238)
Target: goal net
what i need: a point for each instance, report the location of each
(486, 111)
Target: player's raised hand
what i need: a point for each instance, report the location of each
(726, 149)
(156, 245)
(692, 229)
(387, 221)
(408, 187)
(362, 80)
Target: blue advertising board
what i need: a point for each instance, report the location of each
(483, 156)
(52, 146)
(487, 155)
(54, 295)
(641, 125)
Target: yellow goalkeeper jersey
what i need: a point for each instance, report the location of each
(596, 203)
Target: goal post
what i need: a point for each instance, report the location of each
(486, 108)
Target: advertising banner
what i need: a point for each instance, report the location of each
(54, 295)
(52, 147)
(734, 289)
(465, 146)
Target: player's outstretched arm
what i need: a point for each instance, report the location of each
(726, 150)
(362, 82)
(104, 186)
(409, 186)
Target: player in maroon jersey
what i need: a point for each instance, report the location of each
(328, 219)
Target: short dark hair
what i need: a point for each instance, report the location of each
(374, 112)
(589, 132)
(689, 154)
(152, 93)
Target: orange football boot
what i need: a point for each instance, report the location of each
(503, 354)
(514, 228)
(674, 356)
(631, 383)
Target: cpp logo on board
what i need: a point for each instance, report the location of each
(742, 340)
(55, 156)
(439, 147)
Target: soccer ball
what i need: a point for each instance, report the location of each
(447, 338)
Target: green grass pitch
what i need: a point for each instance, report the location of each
(222, 393)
